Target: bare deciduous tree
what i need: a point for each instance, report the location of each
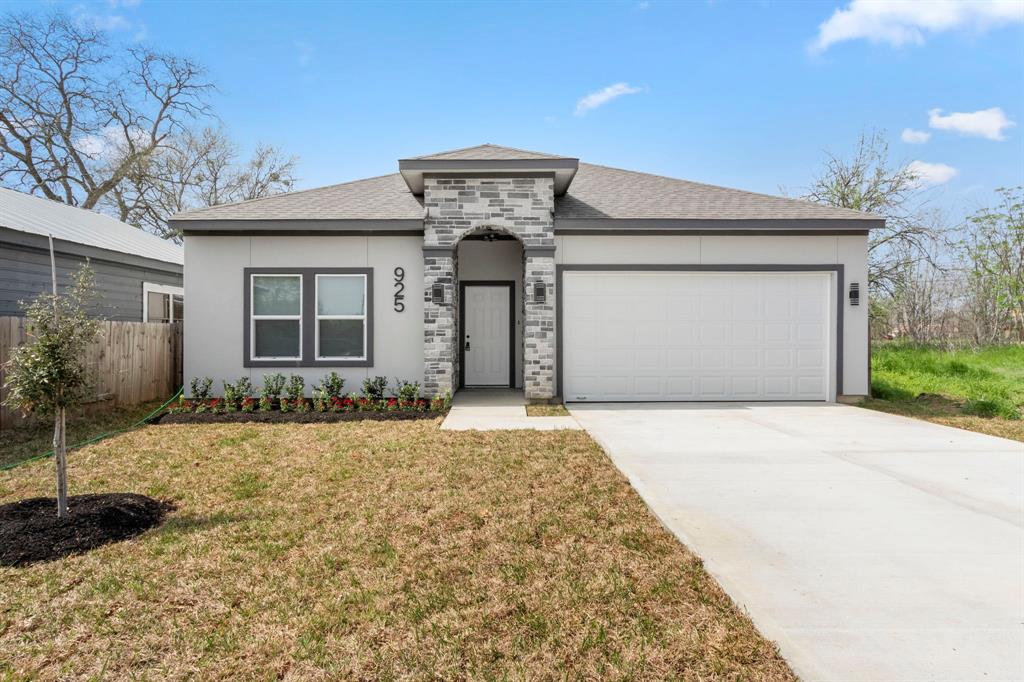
(869, 182)
(195, 170)
(77, 117)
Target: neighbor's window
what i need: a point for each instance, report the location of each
(276, 317)
(162, 303)
(340, 317)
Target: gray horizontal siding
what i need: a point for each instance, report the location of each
(25, 272)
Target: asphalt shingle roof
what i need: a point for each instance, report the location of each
(601, 192)
(382, 198)
(488, 152)
(596, 193)
(35, 215)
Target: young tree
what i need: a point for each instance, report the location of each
(869, 182)
(77, 115)
(46, 376)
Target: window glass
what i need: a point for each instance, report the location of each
(157, 307)
(340, 295)
(276, 338)
(277, 295)
(341, 338)
(179, 308)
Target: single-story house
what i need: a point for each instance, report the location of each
(138, 275)
(492, 266)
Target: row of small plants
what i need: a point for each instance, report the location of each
(288, 394)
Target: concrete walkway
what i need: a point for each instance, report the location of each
(868, 546)
(491, 409)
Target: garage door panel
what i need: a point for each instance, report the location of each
(696, 336)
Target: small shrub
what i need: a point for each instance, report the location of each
(283, 405)
(273, 385)
(296, 387)
(321, 401)
(301, 405)
(332, 385)
(407, 391)
(201, 388)
(248, 404)
(373, 389)
(266, 403)
(235, 393)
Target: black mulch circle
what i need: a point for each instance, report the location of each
(30, 530)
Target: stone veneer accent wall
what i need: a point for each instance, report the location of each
(457, 206)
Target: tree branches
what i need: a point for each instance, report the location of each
(76, 117)
(869, 182)
(100, 126)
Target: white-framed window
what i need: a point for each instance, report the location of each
(341, 328)
(162, 303)
(276, 319)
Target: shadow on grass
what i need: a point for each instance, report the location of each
(178, 525)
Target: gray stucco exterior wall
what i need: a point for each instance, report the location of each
(25, 273)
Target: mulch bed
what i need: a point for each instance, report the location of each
(287, 417)
(30, 530)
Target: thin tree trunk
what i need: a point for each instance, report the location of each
(61, 455)
(60, 452)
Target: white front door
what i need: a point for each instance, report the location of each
(650, 336)
(485, 340)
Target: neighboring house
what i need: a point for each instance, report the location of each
(492, 266)
(138, 275)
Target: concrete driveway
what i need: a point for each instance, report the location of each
(868, 546)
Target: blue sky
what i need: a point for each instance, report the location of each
(742, 94)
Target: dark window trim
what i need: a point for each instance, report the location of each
(308, 322)
(837, 268)
(511, 326)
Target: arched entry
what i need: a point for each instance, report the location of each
(489, 272)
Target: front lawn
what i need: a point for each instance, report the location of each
(980, 390)
(36, 438)
(371, 550)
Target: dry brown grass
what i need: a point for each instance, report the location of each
(371, 550)
(933, 411)
(546, 411)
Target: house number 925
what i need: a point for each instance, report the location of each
(399, 289)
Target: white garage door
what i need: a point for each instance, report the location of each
(696, 336)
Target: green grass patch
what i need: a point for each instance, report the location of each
(36, 437)
(988, 382)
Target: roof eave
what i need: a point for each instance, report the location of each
(353, 227)
(413, 170)
(716, 225)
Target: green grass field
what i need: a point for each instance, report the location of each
(979, 389)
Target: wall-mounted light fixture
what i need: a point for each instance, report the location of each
(854, 293)
(437, 294)
(540, 293)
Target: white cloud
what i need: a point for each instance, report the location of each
(911, 136)
(930, 174)
(603, 96)
(644, 5)
(903, 22)
(989, 123)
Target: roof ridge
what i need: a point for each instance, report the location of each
(492, 146)
(734, 190)
(244, 202)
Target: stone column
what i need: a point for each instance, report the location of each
(439, 323)
(539, 325)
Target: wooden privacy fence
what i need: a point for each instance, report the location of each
(130, 362)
